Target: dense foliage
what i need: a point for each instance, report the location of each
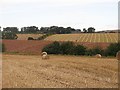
(11, 29)
(113, 49)
(94, 51)
(65, 48)
(9, 35)
(53, 48)
(46, 30)
(30, 29)
(89, 30)
(69, 48)
(79, 50)
(56, 30)
(2, 47)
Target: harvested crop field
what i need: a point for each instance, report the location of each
(24, 71)
(86, 37)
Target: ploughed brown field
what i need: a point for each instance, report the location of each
(35, 47)
(25, 46)
(24, 71)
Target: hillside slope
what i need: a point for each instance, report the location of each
(25, 36)
(85, 37)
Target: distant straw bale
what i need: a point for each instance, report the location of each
(98, 55)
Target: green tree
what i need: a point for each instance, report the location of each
(112, 49)
(56, 30)
(2, 47)
(79, 50)
(9, 35)
(67, 48)
(84, 30)
(31, 29)
(94, 51)
(11, 29)
(91, 30)
(0, 28)
(53, 48)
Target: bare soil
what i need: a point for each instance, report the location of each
(35, 47)
(25, 46)
(25, 71)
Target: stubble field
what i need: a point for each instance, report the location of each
(25, 71)
(86, 37)
(25, 36)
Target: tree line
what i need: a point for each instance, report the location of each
(10, 32)
(46, 30)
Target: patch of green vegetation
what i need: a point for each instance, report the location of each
(65, 48)
(68, 48)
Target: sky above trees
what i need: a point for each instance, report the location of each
(101, 14)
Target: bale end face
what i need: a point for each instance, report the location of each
(43, 53)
